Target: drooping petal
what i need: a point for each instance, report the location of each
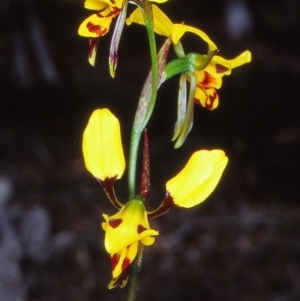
(181, 106)
(102, 146)
(113, 52)
(198, 179)
(179, 30)
(162, 24)
(189, 116)
(93, 46)
(122, 259)
(128, 226)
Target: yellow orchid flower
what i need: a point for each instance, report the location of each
(164, 26)
(102, 146)
(210, 79)
(198, 179)
(123, 231)
(98, 24)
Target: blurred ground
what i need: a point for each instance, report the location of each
(241, 244)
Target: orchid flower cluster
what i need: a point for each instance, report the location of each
(200, 76)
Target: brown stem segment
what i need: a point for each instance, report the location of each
(145, 181)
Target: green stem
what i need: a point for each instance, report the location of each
(134, 275)
(141, 119)
(134, 145)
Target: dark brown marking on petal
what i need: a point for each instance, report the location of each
(207, 79)
(114, 223)
(92, 27)
(114, 261)
(140, 229)
(168, 201)
(221, 68)
(112, 13)
(96, 29)
(209, 104)
(126, 263)
(108, 182)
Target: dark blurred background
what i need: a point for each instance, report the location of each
(241, 244)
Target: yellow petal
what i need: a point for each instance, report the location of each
(220, 66)
(147, 241)
(198, 179)
(162, 24)
(95, 4)
(102, 146)
(180, 29)
(128, 226)
(95, 26)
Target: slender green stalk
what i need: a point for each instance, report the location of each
(134, 275)
(134, 147)
(145, 106)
